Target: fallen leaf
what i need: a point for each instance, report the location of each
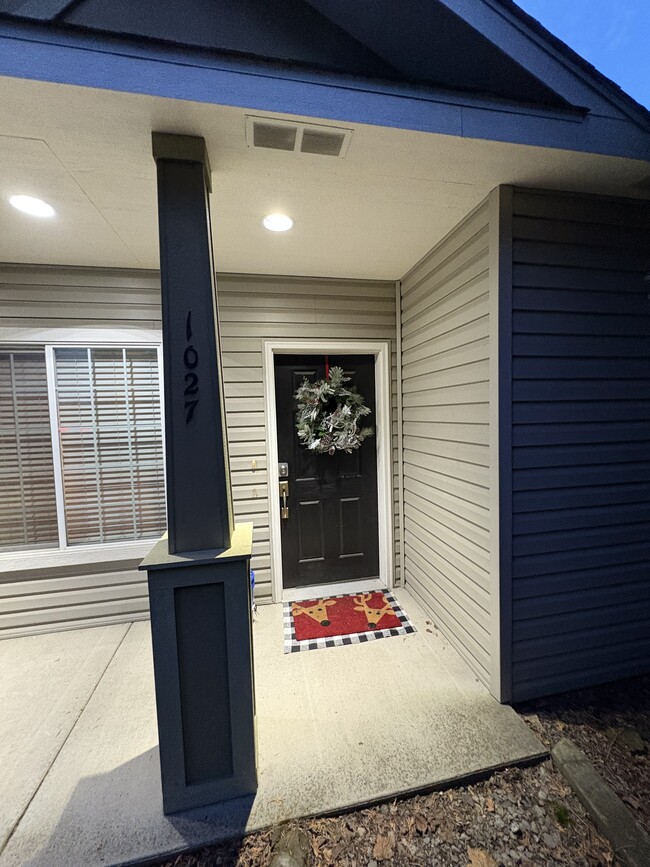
(384, 847)
(446, 832)
(489, 805)
(480, 858)
(421, 824)
(632, 801)
(533, 720)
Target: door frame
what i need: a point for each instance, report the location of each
(381, 350)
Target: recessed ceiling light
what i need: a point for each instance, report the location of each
(277, 222)
(32, 206)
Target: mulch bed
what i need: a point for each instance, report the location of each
(611, 725)
(526, 817)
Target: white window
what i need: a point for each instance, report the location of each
(28, 517)
(82, 449)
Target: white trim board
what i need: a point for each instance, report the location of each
(316, 591)
(381, 350)
(500, 441)
(401, 579)
(83, 335)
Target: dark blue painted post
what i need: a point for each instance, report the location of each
(199, 510)
(199, 587)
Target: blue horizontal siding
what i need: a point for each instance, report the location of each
(580, 441)
(591, 619)
(539, 586)
(571, 643)
(580, 346)
(555, 370)
(550, 477)
(572, 520)
(573, 539)
(577, 433)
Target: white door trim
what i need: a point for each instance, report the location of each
(383, 426)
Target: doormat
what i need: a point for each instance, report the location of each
(353, 618)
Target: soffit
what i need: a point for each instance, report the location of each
(372, 214)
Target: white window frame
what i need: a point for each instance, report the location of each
(66, 338)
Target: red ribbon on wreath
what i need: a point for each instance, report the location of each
(327, 367)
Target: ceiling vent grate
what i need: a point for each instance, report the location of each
(328, 144)
(274, 136)
(303, 138)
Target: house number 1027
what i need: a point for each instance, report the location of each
(190, 362)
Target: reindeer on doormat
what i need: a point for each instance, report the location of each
(317, 612)
(373, 615)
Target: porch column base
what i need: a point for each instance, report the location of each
(201, 626)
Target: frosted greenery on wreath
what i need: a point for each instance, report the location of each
(329, 415)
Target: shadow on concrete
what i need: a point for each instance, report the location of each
(106, 810)
(432, 722)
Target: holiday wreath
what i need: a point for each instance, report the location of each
(329, 414)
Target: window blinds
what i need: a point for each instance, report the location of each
(28, 516)
(110, 437)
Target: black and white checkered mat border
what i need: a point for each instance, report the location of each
(292, 645)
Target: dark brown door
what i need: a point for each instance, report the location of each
(331, 533)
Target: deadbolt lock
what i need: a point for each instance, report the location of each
(284, 500)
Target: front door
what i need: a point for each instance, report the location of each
(331, 530)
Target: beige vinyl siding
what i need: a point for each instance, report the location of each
(580, 441)
(40, 598)
(108, 303)
(254, 309)
(446, 436)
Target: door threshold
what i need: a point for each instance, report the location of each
(318, 591)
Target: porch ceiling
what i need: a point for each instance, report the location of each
(372, 214)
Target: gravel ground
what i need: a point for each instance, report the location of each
(521, 816)
(611, 725)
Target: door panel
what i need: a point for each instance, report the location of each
(310, 530)
(331, 533)
(350, 527)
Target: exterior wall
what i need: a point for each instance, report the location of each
(254, 309)
(41, 591)
(446, 349)
(580, 441)
(48, 590)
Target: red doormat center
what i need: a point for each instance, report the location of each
(328, 621)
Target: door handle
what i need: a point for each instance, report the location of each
(284, 496)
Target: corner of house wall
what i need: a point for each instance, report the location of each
(500, 306)
(401, 575)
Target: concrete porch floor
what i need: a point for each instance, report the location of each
(79, 774)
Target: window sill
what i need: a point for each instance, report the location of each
(91, 555)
